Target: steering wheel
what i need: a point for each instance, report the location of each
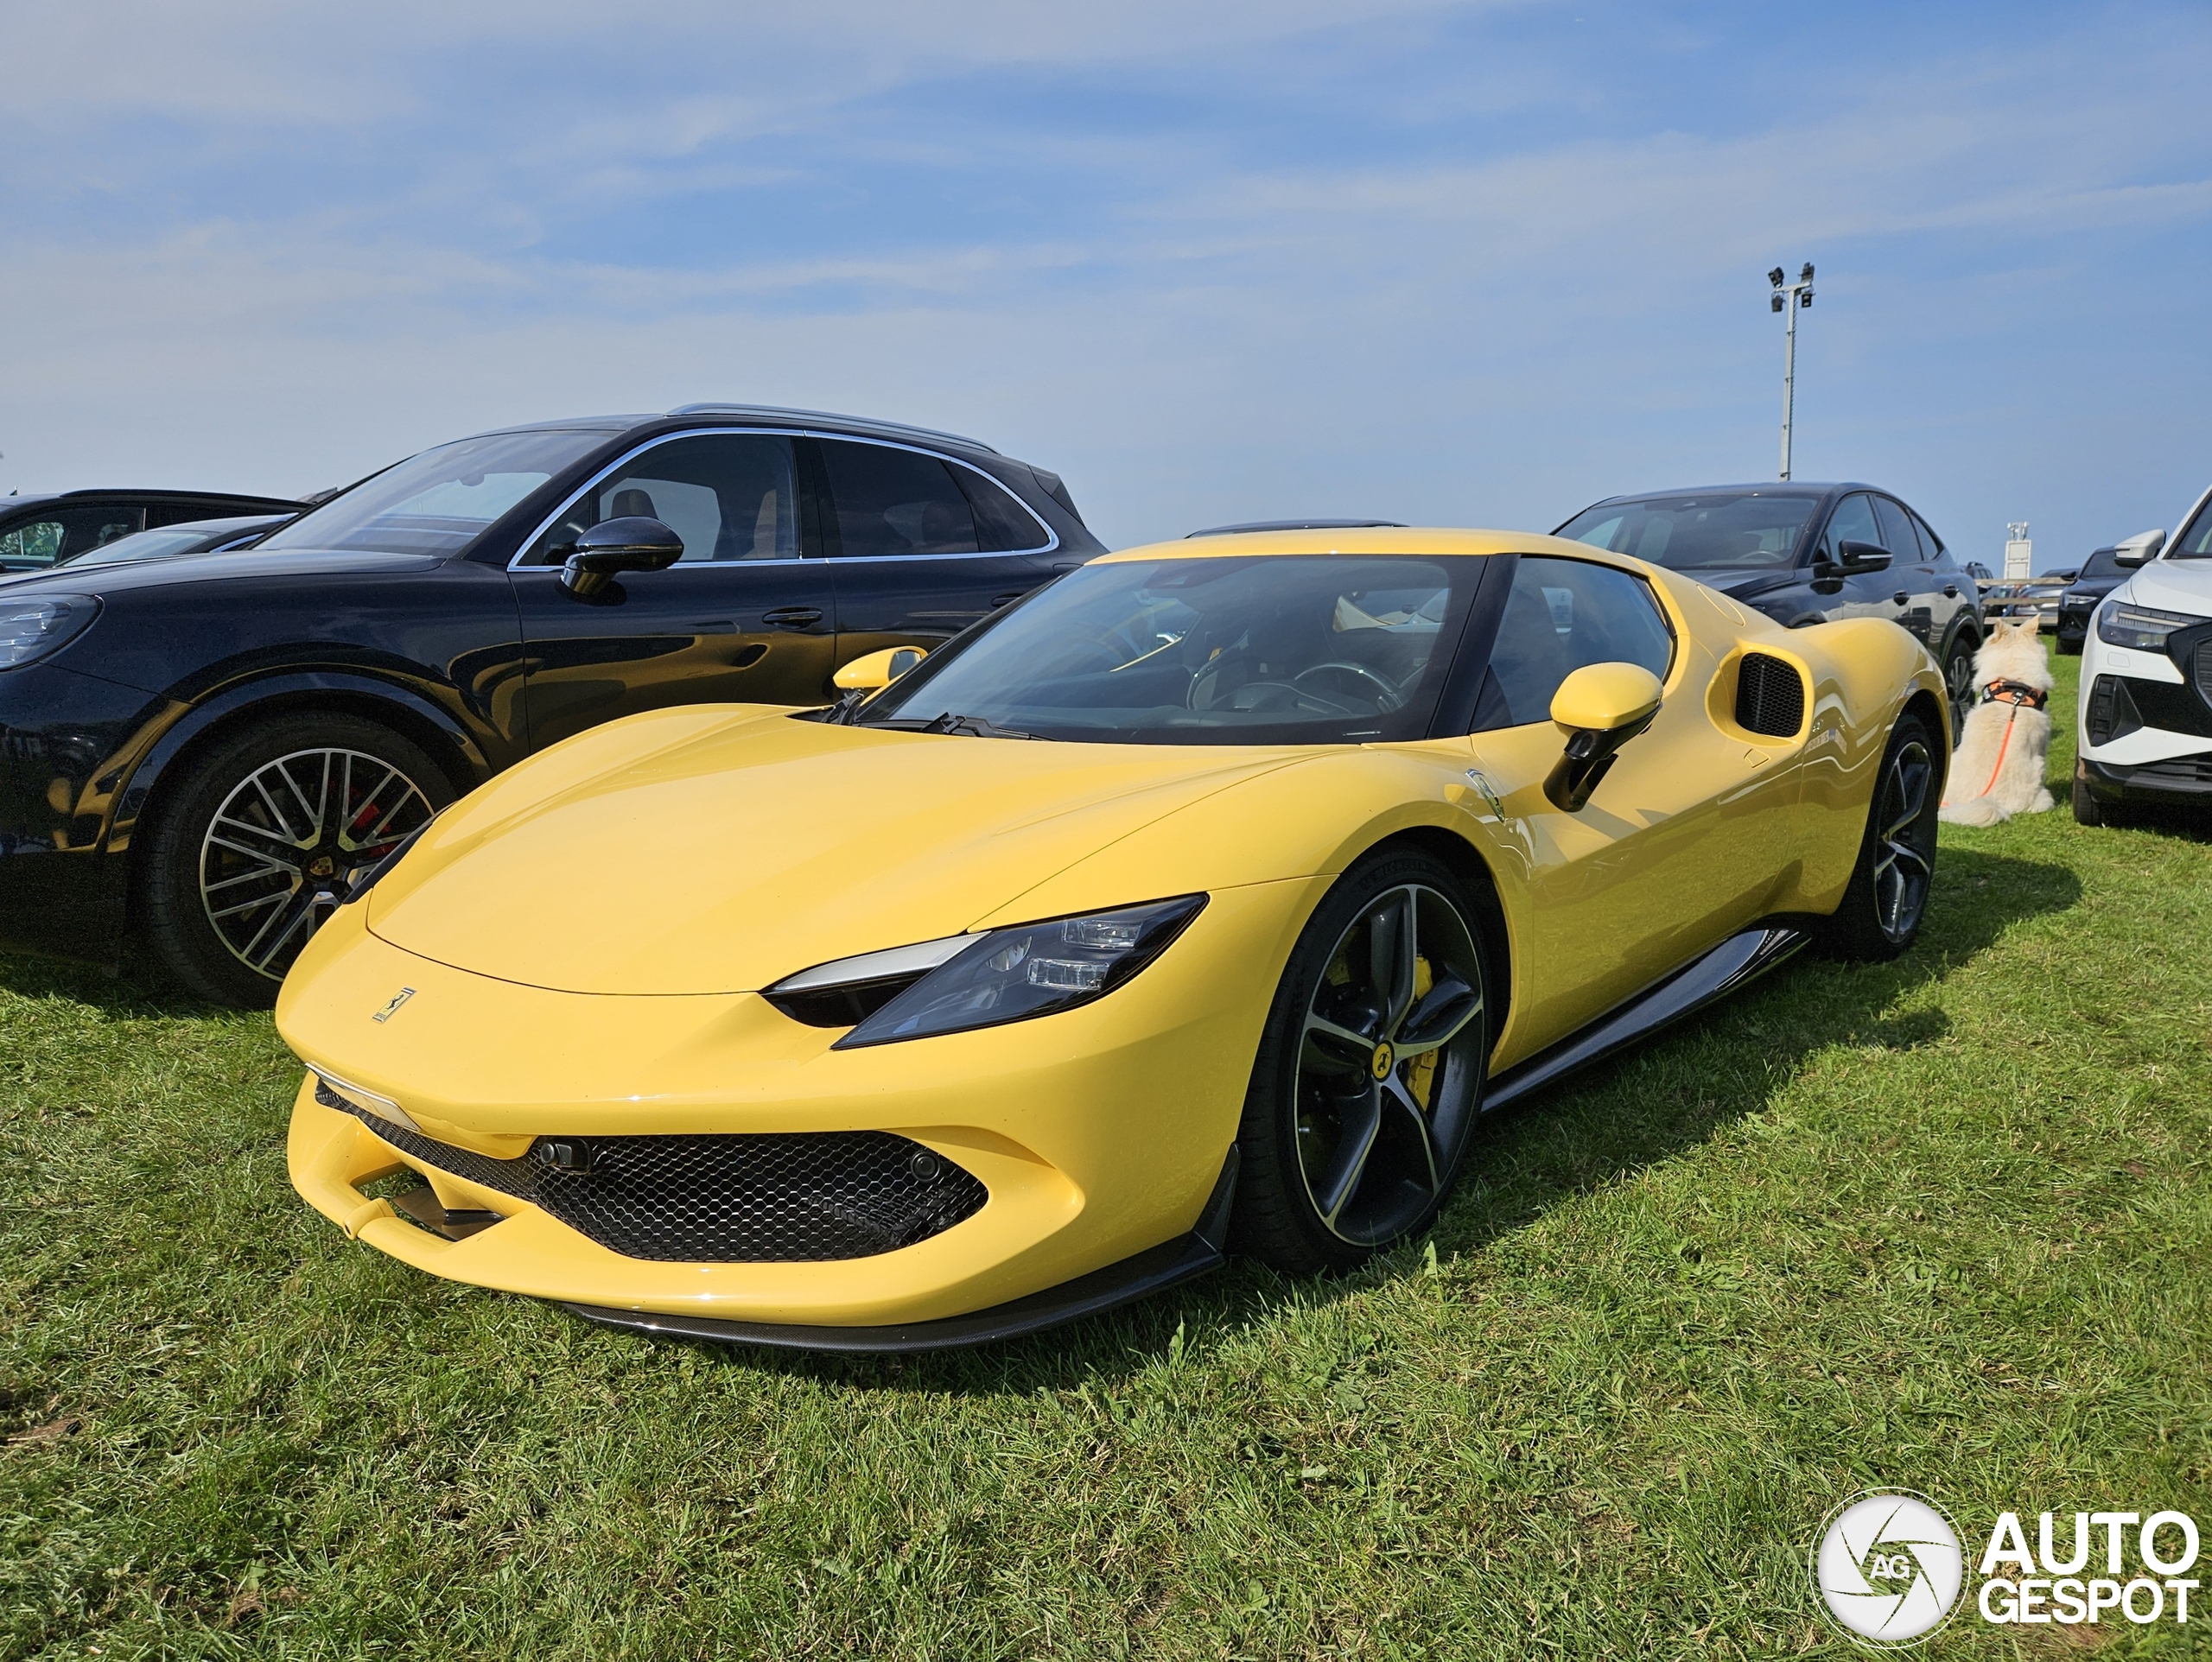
(1389, 697)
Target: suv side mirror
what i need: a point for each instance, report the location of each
(1863, 557)
(630, 543)
(1602, 706)
(2138, 550)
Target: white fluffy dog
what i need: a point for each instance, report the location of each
(1999, 770)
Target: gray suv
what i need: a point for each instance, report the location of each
(1807, 553)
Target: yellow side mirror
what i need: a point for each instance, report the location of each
(1602, 706)
(878, 670)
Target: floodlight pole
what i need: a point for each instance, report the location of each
(1789, 297)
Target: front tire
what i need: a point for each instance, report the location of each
(1370, 1069)
(1887, 897)
(267, 836)
(2087, 810)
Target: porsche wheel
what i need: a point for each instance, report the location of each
(1370, 1074)
(267, 838)
(1887, 897)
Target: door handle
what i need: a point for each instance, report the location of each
(1950, 590)
(1067, 565)
(793, 617)
(1008, 598)
(1900, 598)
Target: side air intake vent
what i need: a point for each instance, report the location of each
(1769, 696)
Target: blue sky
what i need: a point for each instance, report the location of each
(1451, 263)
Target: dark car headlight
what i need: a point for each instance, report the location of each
(982, 981)
(2140, 627)
(31, 630)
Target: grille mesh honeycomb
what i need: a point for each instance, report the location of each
(1769, 696)
(785, 1197)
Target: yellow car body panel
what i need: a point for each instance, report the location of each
(585, 939)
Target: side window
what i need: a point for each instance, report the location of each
(1562, 614)
(729, 496)
(84, 529)
(888, 500)
(1852, 522)
(1937, 553)
(1002, 524)
(23, 547)
(1898, 534)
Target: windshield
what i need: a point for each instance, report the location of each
(1237, 650)
(1744, 530)
(2194, 542)
(440, 501)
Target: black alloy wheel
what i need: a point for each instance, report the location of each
(1887, 898)
(1958, 681)
(1369, 1075)
(272, 833)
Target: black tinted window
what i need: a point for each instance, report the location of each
(1002, 524)
(1934, 544)
(2104, 562)
(729, 496)
(1898, 534)
(1695, 533)
(1562, 615)
(890, 501)
(1852, 522)
(2194, 542)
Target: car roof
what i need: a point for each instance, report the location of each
(109, 492)
(1786, 487)
(1363, 539)
(772, 415)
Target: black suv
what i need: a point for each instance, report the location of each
(39, 531)
(2100, 573)
(1807, 553)
(208, 752)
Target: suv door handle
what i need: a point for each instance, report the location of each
(1008, 598)
(1067, 565)
(1950, 590)
(793, 617)
(1900, 598)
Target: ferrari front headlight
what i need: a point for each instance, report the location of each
(961, 982)
(2139, 627)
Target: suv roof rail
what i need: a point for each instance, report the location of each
(721, 409)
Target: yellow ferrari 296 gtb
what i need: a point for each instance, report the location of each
(1199, 902)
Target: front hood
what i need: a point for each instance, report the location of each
(2183, 585)
(721, 849)
(169, 570)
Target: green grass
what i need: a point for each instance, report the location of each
(1941, 1223)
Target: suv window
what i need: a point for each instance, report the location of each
(1852, 522)
(1562, 614)
(729, 496)
(1898, 534)
(890, 501)
(1735, 529)
(1937, 553)
(37, 543)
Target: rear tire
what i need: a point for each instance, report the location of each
(264, 838)
(1370, 1070)
(1958, 682)
(1887, 898)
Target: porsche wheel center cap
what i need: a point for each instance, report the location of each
(1384, 1059)
(322, 865)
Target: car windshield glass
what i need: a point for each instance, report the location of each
(141, 545)
(1236, 649)
(1747, 530)
(442, 500)
(2194, 542)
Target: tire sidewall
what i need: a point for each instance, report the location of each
(1271, 1181)
(175, 921)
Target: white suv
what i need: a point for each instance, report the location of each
(2145, 718)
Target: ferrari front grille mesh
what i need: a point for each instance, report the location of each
(1769, 696)
(781, 1197)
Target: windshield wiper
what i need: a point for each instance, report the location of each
(974, 727)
